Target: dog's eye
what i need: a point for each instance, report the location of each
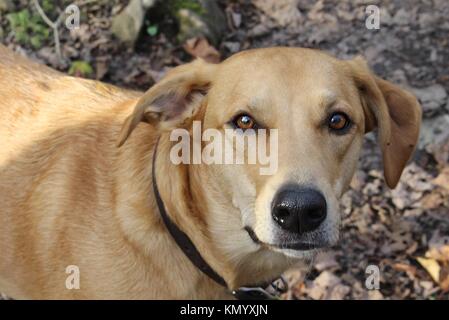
(244, 122)
(339, 122)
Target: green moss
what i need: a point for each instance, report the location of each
(192, 5)
(28, 28)
(52, 8)
(47, 6)
(27, 25)
(81, 69)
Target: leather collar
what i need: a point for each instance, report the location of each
(188, 248)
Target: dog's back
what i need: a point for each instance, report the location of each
(58, 136)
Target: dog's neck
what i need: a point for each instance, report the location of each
(187, 212)
(183, 192)
(144, 226)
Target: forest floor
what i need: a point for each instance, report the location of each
(404, 232)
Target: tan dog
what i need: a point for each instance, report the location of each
(70, 196)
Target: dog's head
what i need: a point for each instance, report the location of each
(320, 106)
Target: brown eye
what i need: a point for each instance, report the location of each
(338, 121)
(244, 122)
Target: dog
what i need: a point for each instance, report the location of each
(86, 181)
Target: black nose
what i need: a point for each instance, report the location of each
(299, 210)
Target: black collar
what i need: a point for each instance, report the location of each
(190, 251)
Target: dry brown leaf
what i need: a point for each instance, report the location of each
(101, 67)
(444, 278)
(429, 288)
(431, 201)
(410, 270)
(413, 247)
(325, 260)
(284, 12)
(440, 254)
(327, 286)
(432, 267)
(375, 295)
(443, 179)
(200, 48)
(440, 151)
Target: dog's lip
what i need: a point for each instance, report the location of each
(303, 246)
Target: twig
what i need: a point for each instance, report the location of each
(54, 26)
(84, 2)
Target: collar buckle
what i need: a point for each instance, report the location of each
(273, 292)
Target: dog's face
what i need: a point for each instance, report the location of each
(319, 119)
(319, 106)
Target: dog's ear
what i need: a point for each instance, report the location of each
(174, 100)
(395, 112)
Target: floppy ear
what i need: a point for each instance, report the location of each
(174, 100)
(395, 112)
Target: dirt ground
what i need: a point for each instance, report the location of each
(404, 232)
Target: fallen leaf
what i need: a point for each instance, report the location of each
(429, 288)
(431, 266)
(327, 286)
(339, 292)
(101, 67)
(200, 48)
(375, 295)
(443, 179)
(410, 270)
(431, 201)
(283, 12)
(325, 261)
(444, 278)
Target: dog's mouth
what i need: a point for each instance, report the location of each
(297, 245)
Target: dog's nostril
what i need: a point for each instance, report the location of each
(299, 210)
(284, 215)
(310, 220)
(316, 214)
(281, 215)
